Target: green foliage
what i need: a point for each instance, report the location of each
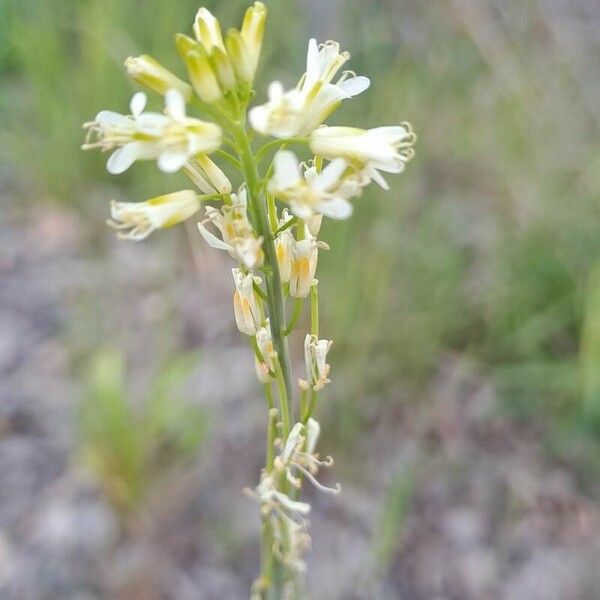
(130, 447)
(389, 530)
(590, 350)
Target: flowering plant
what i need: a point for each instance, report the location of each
(275, 248)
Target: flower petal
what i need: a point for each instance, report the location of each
(122, 158)
(170, 162)
(137, 104)
(336, 208)
(331, 174)
(287, 170)
(108, 117)
(212, 240)
(376, 176)
(175, 104)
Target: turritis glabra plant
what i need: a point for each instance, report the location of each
(269, 225)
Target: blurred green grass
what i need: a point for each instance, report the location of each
(488, 246)
(131, 448)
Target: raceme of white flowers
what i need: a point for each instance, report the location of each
(275, 247)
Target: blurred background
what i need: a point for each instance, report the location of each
(464, 413)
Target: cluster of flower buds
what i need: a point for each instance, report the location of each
(223, 69)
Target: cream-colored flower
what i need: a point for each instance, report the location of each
(245, 305)
(297, 112)
(310, 193)
(368, 150)
(147, 71)
(305, 255)
(170, 138)
(209, 178)
(315, 358)
(265, 366)
(284, 248)
(237, 235)
(142, 218)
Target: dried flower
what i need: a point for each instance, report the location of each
(317, 369)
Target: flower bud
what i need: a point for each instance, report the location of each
(203, 78)
(223, 69)
(239, 56)
(252, 33)
(207, 175)
(208, 31)
(149, 72)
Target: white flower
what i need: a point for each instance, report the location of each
(142, 218)
(209, 178)
(149, 72)
(245, 306)
(368, 150)
(315, 357)
(171, 138)
(297, 112)
(237, 235)
(265, 366)
(312, 192)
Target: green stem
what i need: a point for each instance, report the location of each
(314, 311)
(295, 316)
(311, 407)
(275, 300)
(284, 407)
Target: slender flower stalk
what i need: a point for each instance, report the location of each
(274, 248)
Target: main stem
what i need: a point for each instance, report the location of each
(273, 574)
(275, 300)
